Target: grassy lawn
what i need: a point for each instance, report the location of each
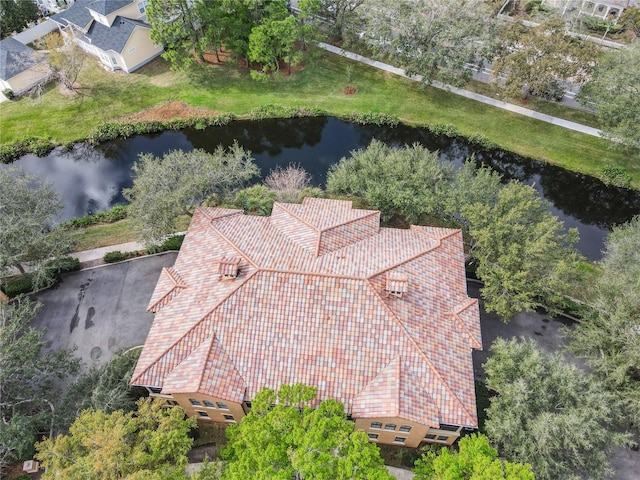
(103, 235)
(320, 84)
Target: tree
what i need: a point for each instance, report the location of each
(343, 17)
(65, 58)
(608, 336)
(15, 15)
(150, 444)
(28, 237)
(435, 39)
(614, 92)
(630, 21)
(283, 438)
(549, 413)
(475, 460)
(523, 255)
(164, 188)
(408, 181)
(29, 381)
(102, 387)
(540, 60)
(175, 25)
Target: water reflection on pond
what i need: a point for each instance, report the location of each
(91, 179)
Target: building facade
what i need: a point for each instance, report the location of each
(319, 294)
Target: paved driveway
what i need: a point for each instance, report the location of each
(101, 310)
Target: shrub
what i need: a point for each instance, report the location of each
(8, 93)
(18, 287)
(445, 129)
(376, 118)
(115, 256)
(482, 141)
(271, 110)
(349, 90)
(37, 145)
(64, 265)
(113, 215)
(173, 243)
(615, 175)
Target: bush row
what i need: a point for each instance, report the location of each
(25, 284)
(270, 110)
(37, 145)
(118, 212)
(171, 243)
(112, 130)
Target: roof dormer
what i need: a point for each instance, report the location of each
(228, 267)
(397, 284)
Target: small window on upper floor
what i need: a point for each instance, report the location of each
(390, 426)
(229, 418)
(399, 440)
(194, 401)
(203, 414)
(373, 436)
(376, 425)
(405, 429)
(209, 404)
(222, 406)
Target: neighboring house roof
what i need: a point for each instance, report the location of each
(16, 57)
(308, 305)
(105, 7)
(77, 14)
(114, 37)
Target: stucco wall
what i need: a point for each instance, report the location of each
(413, 437)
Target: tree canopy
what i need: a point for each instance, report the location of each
(549, 413)
(608, 336)
(283, 438)
(15, 15)
(164, 188)
(29, 381)
(435, 39)
(151, 443)
(540, 60)
(28, 237)
(614, 92)
(475, 460)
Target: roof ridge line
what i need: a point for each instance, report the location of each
(215, 338)
(403, 262)
(175, 285)
(398, 373)
(233, 245)
(420, 228)
(296, 216)
(372, 213)
(419, 351)
(456, 313)
(202, 319)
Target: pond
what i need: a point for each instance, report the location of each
(90, 179)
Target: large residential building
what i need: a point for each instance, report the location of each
(114, 31)
(319, 294)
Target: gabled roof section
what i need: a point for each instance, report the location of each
(396, 393)
(322, 230)
(217, 376)
(106, 7)
(114, 37)
(77, 14)
(16, 57)
(169, 285)
(467, 314)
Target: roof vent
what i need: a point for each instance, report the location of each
(397, 284)
(228, 267)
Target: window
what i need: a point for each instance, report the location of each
(222, 406)
(373, 436)
(405, 429)
(172, 403)
(376, 425)
(194, 401)
(155, 389)
(142, 7)
(399, 440)
(449, 428)
(430, 437)
(229, 418)
(443, 438)
(390, 426)
(132, 49)
(203, 414)
(209, 404)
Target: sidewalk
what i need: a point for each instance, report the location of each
(471, 95)
(93, 257)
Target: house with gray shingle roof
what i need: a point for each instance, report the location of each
(21, 67)
(319, 294)
(114, 31)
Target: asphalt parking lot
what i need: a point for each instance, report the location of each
(101, 310)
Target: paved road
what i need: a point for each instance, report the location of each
(471, 95)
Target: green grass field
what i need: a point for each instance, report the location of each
(108, 96)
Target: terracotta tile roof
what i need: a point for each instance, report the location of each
(312, 308)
